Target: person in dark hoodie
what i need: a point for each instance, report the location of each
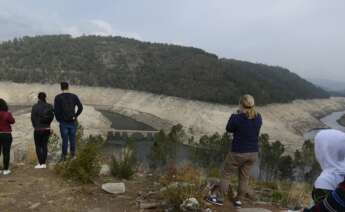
(42, 115)
(6, 120)
(65, 112)
(245, 126)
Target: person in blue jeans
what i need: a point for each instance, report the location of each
(65, 105)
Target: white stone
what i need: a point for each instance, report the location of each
(114, 188)
(190, 204)
(105, 170)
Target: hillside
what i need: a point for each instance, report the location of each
(284, 122)
(157, 68)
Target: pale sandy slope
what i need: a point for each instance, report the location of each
(284, 122)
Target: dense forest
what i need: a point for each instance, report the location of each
(159, 68)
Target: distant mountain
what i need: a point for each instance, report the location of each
(158, 68)
(330, 85)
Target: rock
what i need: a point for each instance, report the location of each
(190, 204)
(105, 170)
(34, 206)
(253, 210)
(149, 205)
(114, 188)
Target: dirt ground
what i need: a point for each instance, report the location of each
(29, 189)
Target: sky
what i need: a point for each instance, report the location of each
(305, 36)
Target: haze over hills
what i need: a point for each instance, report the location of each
(158, 68)
(331, 85)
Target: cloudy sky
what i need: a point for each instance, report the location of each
(306, 36)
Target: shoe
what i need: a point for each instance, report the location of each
(6, 172)
(214, 200)
(237, 204)
(38, 166)
(43, 166)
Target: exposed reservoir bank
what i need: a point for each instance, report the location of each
(330, 121)
(284, 122)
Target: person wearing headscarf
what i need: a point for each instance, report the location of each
(329, 188)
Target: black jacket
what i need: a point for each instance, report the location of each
(42, 114)
(64, 107)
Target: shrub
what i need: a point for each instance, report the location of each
(181, 183)
(86, 166)
(123, 169)
(53, 143)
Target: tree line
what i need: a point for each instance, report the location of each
(158, 68)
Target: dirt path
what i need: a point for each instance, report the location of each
(28, 189)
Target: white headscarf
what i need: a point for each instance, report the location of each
(330, 153)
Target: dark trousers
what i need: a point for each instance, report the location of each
(41, 138)
(68, 134)
(5, 148)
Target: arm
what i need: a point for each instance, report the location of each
(33, 116)
(57, 109)
(232, 124)
(10, 118)
(80, 107)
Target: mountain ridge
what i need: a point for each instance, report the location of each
(171, 70)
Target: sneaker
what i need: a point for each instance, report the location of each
(214, 200)
(38, 166)
(237, 204)
(43, 166)
(6, 172)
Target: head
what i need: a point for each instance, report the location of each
(330, 150)
(42, 96)
(64, 86)
(247, 106)
(3, 105)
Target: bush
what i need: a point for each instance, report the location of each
(86, 166)
(124, 168)
(181, 183)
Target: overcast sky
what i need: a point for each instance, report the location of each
(306, 36)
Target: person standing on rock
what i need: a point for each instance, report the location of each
(42, 115)
(6, 120)
(65, 112)
(245, 126)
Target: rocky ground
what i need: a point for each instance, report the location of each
(29, 189)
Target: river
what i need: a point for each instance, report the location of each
(330, 121)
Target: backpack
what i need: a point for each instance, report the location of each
(68, 108)
(47, 115)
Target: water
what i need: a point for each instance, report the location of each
(330, 121)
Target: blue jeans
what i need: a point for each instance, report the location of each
(68, 134)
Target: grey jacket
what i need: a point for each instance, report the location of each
(42, 114)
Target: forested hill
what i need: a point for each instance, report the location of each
(159, 68)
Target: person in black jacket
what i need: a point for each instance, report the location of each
(42, 115)
(64, 107)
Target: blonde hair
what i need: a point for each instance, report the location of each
(247, 105)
